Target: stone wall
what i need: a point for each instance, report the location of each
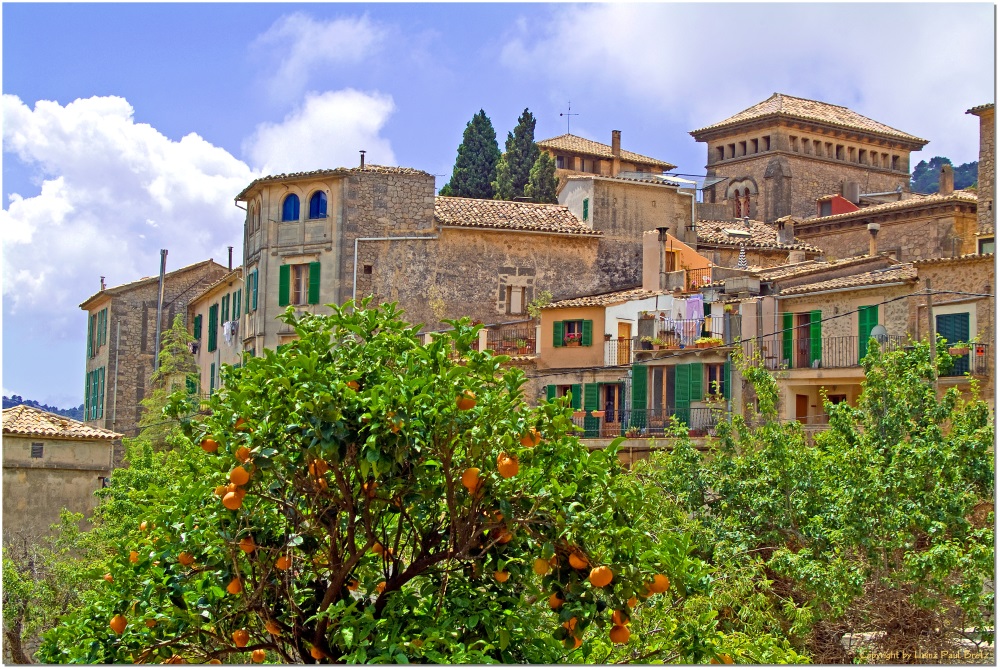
(987, 170)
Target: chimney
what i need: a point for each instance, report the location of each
(852, 192)
(616, 152)
(786, 230)
(873, 229)
(362, 152)
(661, 237)
(230, 258)
(946, 182)
(102, 283)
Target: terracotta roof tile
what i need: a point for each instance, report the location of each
(581, 145)
(605, 299)
(122, 288)
(335, 172)
(762, 236)
(235, 273)
(979, 108)
(802, 269)
(890, 275)
(508, 215)
(33, 422)
(953, 259)
(916, 200)
(810, 110)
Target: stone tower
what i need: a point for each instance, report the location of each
(781, 155)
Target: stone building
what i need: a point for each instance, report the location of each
(762, 245)
(120, 341)
(576, 155)
(778, 157)
(50, 462)
(214, 320)
(986, 181)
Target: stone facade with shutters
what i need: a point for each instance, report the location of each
(986, 181)
(216, 343)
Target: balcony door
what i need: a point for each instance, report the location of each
(624, 343)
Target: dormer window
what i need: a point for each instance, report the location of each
(317, 205)
(290, 208)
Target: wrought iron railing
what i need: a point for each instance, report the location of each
(512, 339)
(974, 361)
(647, 422)
(798, 353)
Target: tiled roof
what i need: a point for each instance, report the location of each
(810, 110)
(336, 172)
(235, 273)
(122, 288)
(33, 422)
(508, 215)
(890, 275)
(915, 201)
(803, 269)
(953, 259)
(979, 108)
(581, 145)
(762, 236)
(605, 299)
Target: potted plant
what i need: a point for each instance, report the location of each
(572, 340)
(522, 346)
(708, 342)
(646, 342)
(579, 414)
(958, 350)
(607, 337)
(633, 432)
(597, 413)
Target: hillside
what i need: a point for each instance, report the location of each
(72, 413)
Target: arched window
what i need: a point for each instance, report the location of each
(746, 202)
(290, 208)
(251, 218)
(317, 205)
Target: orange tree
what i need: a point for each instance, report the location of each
(362, 497)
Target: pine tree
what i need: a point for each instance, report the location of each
(475, 166)
(542, 180)
(519, 157)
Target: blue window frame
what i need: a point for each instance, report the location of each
(290, 208)
(317, 205)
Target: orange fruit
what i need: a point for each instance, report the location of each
(576, 642)
(501, 576)
(174, 660)
(318, 467)
(143, 526)
(232, 501)
(353, 584)
(243, 454)
(317, 653)
(150, 623)
(381, 587)
(248, 545)
(540, 566)
(570, 625)
(577, 560)
(220, 490)
(377, 548)
(272, 627)
(555, 602)
(283, 563)
(632, 602)
(133, 556)
(215, 661)
(241, 424)
(369, 488)
(241, 638)
(722, 659)
(532, 438)
(353, 385)
(507, 466)
(471, 479)
(619, 634)
(239, 476)
(209, 445)
(618, 618)
(503, 536)
(185, 559)
(659, 584)
(109, 578)
(231, 488)
(258, 655)
(601, 576)
(466, 400)
(235, 586)
(118, 624)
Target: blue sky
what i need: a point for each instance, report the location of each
(129, 128)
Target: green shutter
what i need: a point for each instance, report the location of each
(816, 336)
(253, 302)
(576, 402)
(588, 333)
(697, 373)
(237, 303)
(225, 308)
(100, 395)
(682, 393)
(955, 328)
(197, 326)
(638, 418)
(867, 319)
(727, 380)
(550, 392)
(586, 208)
(86, 397)
(284, 280)
(591, 424)
(211, 379)
(314, 283)
(557, 334)
(787, 334)
(90, 337)
(213, 326)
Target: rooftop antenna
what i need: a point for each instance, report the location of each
(568, 113)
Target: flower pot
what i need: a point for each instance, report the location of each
(958, 351)
(599, 413)
(579, 414)
(523, 350)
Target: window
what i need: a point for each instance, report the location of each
(251, 286)
(895, 162)
(720, 153)
(36, 449)
(767, 143)
(825, 208)
(716, 378)
(586, 208)
(817, 147)
(863, 156)
(97, 332)
(237, 303)
(93, 398)
(367, 269)
(850, 154)
(867, 319)
(225, 308)
(730, 150)
(298, 284)
(743, 148)
(986, 245)
(515, 300)
(840, 152)
(560, 162)
(317, 205)
(754, 146)
(213, 326)
(573, 333)
(211, 379)
(197, 326)
(955, 328)
(794, 142)
(829, 150)
(290, 208)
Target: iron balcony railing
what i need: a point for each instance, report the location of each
(512, 339)
(671, 335)
(647, 422)
(798, 353)
(974, 361)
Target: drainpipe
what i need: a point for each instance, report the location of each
(354, 288)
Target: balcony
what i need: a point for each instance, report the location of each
(975, 362)
(647, 422)
(512, 339)
(797, 353)
(671, 335)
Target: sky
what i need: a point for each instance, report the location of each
(129, 128)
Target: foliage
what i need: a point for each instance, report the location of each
(360, 439)
(925, 175)
(542, 182)
(475, 166)
(176, 366)
(534, 307)
(520, 154)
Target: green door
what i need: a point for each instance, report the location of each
(591, 424)
(867, 319)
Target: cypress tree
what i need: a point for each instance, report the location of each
(542, 180)
(519, 156)
(475, 166)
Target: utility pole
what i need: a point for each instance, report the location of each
(159, 311)
(931, 337)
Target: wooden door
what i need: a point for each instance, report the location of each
(801, 408)
(624, 343)
(802, 340)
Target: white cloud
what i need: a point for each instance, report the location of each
(302, 46)
(913, 66)
(327, 131)
(105, 180)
